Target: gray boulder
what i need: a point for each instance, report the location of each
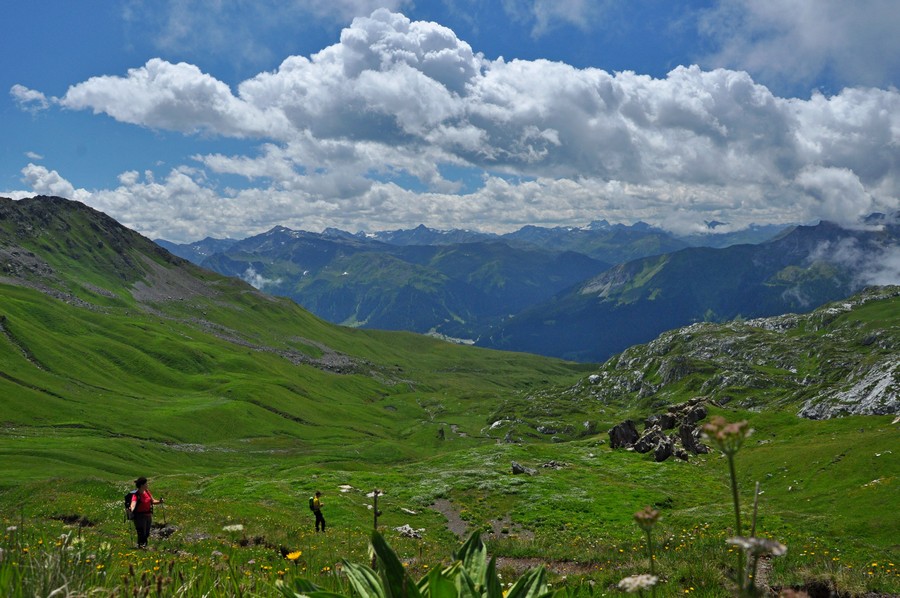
(695, 414)
(649, 439)
(518, 469)
(682, 417)
(665, 421)
(664, 449)
(623, 435)
(689, 435)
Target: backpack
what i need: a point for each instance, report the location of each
(311, 503)
(129, 515)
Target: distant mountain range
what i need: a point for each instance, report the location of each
(457, 284)
(611, 243)
(576, 293)
(633, 302)
(454, 290)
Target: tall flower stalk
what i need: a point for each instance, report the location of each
(646, 519)
(728, 438)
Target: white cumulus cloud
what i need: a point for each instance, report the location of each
(342, 132)
(795, 41)
(49, 182)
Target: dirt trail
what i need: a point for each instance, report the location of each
(454, 522)
(501, 529)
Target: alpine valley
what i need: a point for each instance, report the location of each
(555, 291)
(120, 359)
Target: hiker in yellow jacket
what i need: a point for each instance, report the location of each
(316, 504)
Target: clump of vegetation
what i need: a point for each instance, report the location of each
(470, 574)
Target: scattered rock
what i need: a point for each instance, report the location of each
(623, 435)
(665, 421)
(664, 449)
(162, 530)
(689, 435)
(510, 439)
(520, 469)
(554, 465)
(694, 414)
(683, 416)
(408, 532)
(75, 519)
(651, 437)
(682, 454)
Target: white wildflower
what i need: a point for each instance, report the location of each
(638, 583)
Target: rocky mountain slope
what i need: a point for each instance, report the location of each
(841, 359)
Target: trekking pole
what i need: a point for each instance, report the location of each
(162, 504)
(130, 530)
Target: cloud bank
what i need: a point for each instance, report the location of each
(402, 122)
(798, 41)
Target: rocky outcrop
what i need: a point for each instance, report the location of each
(623, 435)
(665, 421)
(871, 391)
(821, 364)
(683, 418)
(689, 435)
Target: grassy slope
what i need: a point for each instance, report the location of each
(159, 381)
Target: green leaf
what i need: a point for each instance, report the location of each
(532, 584)
(492, 586)
(365, 581)
(473, 556)
(397, 582)
(466, 586)
(438, 584)
(304, 587)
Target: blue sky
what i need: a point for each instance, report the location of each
(191, 118)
